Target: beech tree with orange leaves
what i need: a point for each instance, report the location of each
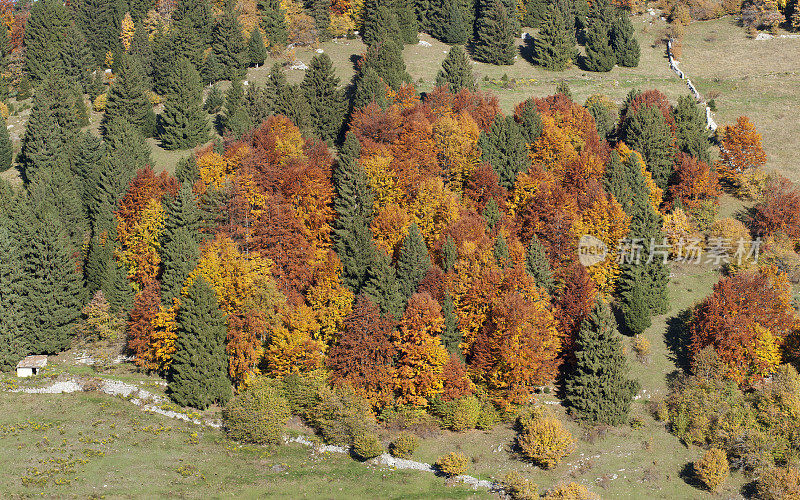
(779, 211)
(740, 150)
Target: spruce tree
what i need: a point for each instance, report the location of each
(12, 316)
(76, 59)
(407, 20)
(535, 13)
(212, 70)
(494, 34)
(369, 87)
(320, 12)
(413, 262)
(456, 72)
(648, 132)
(451, 335)
(100, 21)
(449, 254)
(197, 15)
(530, 121)
(491, 213)
(500, 250)
(229, 44)
(199, 370)
(126, 97)
(256, 50)
(6, 147)
(53, 288)
(44, 38)
(455, 30)
(117, 288)
(623, 42)
(554, 47)
(184, 42)
(382, 286)
(386, 58)
(599, 55)
(379, 23)
(273, 21)
(182, 212)
(598, 389)
(538, 265)
(183, 121)
(326, 99)
(235, 117)
(504, 148)
(141, 48)
(99, 256)
(352, 236)
(179, 256)
(55, 190)
(690, 122)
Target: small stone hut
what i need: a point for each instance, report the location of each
(31, 365)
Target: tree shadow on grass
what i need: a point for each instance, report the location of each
(689, 477)
(677, 339)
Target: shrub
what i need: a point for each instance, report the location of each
(488, 416)
(366, 445)
(713, 468)
(571, 491)
(404, 445)
(641, 346)
(154, 98)
(341, 415)
(465, 414)
(543, 439)
(4, 111)
(257, 415)
(518, 487)
(100, 103)
(453, 464)
(779, 483)
(704, 213)
(302, 391)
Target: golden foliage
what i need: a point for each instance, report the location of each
(713, 468)
(456, 139)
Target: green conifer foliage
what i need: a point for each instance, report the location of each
(212, 70)
(183, 122)
(504, 148)
(455, 30)
(179, 256)
(326, 99)
(500, 250)
(117, 288)
(407, 20)
(623, 42)
(692, 136)
(456, 72)
(141, 48)
(413, 262)
(195, 14)
(386, 58)
(76, 59)
(53, 287)
(449, 254)
(451, 335)
(554, 46)
(382, 285)
(99, 256)
(56, 191)
(229, 45)
(491, 213)
(494, 34)
(599, 55)
(100, 21)
(535, 13)
(598, 389)
(199, 370)
(273, 21)
(126, 97)
(256, 50)
(530, 121)
(352, 237)
(12, 316)
(44, 38)
(320, 12)
(380, 23)
(6, 147)
(235, 117)
(648, 132)
(369, 87)
(538, 265)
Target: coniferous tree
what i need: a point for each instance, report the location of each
(117, 288)
(623, 42)
(648, 132)
(197, 15)
(183, 121)
(456, 72)
(352, 236)
(12, 316)
(100, 21)
(535, 13)
(56, 191)
(320, 12)
(53, 287)
(6, 147)
(530, 121)
(494, 34)
(491, 213)
(500, 250)
(692, 135)
(413, 262)
(235, 117)
(256, 50)
(179, 256)
(599, 55)
(538, 265)
(451, 336)
(382, 286)
(229, 44)
(380, 23)
(325, 98)
(182, 212)
(140, 45)
(407, 20)
(449, 254)
(127, 99)
(212, 70)
(273, 21)
(369, 87)
(44, 38)
(199, 369)
(5, 48)
(455, 29)
(76, 58)
(184, 41)
(554, 46)
(99, 256)
(386, 58)
(89, 151)
(504, 148)
(598, 388)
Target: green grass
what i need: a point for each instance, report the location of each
(89, 445)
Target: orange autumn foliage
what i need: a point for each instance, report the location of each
(694, 183)
(740, 150)
(779, 211)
